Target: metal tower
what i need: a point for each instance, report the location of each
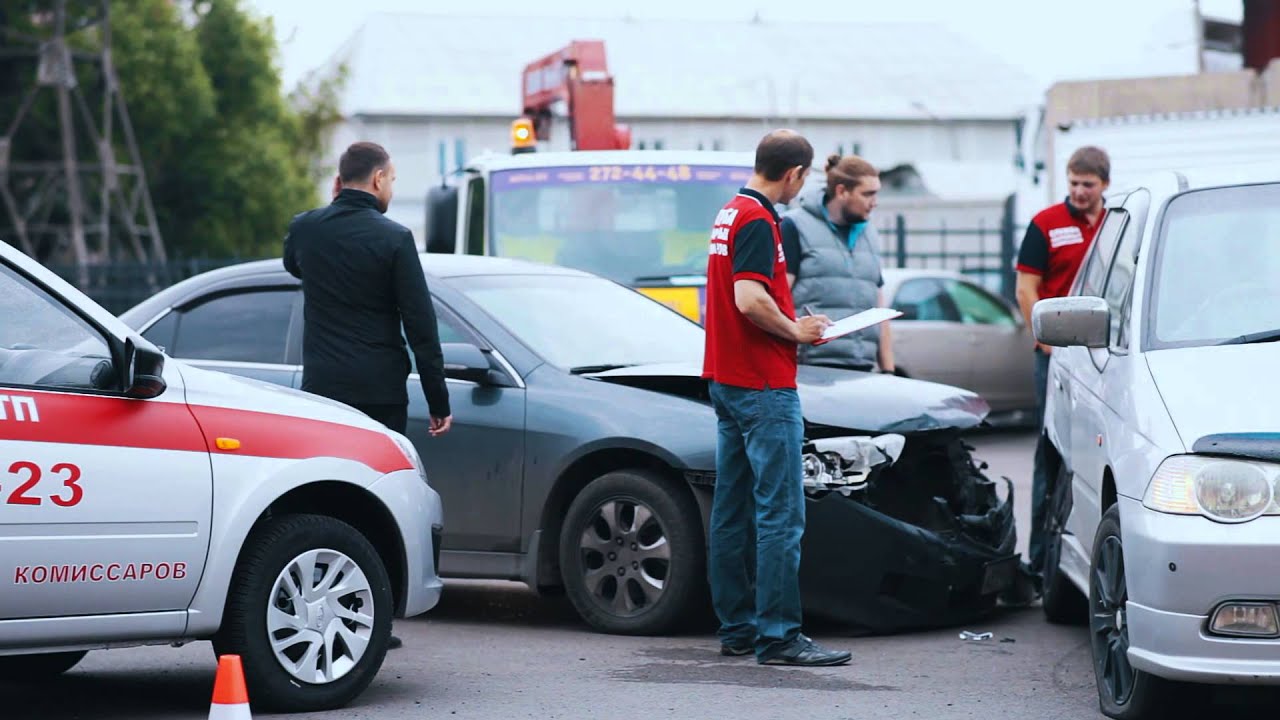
(47, 204)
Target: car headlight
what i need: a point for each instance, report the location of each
(410, 452)
(1221, 489)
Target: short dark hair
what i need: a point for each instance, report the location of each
(1090, 160)
(361, 160)
(781, 150)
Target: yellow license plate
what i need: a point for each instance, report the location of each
(685, 300)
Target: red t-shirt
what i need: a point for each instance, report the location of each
(1055, 245)
(747, 245)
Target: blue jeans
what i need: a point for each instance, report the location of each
(1040, 479)
(759, 492)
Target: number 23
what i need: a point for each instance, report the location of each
(70, 482)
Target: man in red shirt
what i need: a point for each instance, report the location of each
(750, 360)
(1052, 250)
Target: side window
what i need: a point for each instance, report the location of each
(451, 331)
(475, 217)
(162, 331)
(977, 307)
(1098, 261)
(248, 326)
(45, 344)
(1120, 279)
(925, 299)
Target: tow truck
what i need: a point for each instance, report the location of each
(638, 217)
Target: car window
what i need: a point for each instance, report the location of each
(1094, 272)
(44, 343)
(451, 331)
(241, 327)
(925, 299)
(162, 331)
(976, 306)
(1120, 279)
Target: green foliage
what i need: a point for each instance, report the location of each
(229, 157)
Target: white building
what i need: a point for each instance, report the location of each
(896, 93)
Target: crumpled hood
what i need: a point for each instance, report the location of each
(837, 398)
(1224, 389)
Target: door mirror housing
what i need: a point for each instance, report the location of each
(1080, 321)
(143, 371)
(464, 361)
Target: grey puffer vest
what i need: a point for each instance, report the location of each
(837, 283)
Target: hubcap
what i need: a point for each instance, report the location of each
(1110, 633)
(321, 617)
(625, 557)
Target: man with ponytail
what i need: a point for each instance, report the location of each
(834, 266)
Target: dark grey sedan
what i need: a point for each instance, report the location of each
(582, 454)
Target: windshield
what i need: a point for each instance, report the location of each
(580, 322)
(624, 222)
(1216, 267)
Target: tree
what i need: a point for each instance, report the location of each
(229, 157)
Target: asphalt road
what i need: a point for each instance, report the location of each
(495, 650)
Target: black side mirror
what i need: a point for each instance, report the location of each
(143, 371)
(442, 219)
(464, 361)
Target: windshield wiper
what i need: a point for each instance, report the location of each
(585, 369)
(1257, 337)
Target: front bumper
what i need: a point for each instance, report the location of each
(420, 517)
(1179, 569)
(929, 544)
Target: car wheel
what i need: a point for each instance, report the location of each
(632, 555)
(17, 668)
(1062, 601)
(1123, 691)
(309, 612)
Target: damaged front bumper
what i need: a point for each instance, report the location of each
(903, 532)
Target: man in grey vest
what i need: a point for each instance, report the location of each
(833, 265)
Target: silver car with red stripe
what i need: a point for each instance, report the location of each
(148, 501)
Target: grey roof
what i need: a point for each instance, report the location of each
(433, 64)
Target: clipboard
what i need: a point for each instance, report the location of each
(856, 322)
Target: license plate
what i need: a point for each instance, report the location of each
(999, 574)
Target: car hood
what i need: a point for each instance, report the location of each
(217, 389)
(1222, 389)
(837, 398)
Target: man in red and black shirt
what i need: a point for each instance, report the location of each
(750, 360)
(1052, 251)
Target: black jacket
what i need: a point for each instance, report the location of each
(361, 278)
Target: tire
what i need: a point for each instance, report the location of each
(1062, 601)
(269, 566)
(1125, 693)
(614, 583)
(18, 668)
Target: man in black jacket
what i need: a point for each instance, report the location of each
(361, 279)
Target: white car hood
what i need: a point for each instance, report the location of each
(1225, 389)
(206, 387)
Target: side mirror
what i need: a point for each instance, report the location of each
(1072, 321)
(464, 361)
(442, 219)
(143, 371)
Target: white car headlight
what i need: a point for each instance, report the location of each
(412, 453)
(1221, 489)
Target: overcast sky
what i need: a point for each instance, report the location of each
(1051, 39)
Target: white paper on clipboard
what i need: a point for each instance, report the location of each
(856, 322)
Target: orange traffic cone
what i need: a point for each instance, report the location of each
(230, 698)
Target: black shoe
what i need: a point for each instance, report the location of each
(394, 643)
(736, 650)
(803, 651)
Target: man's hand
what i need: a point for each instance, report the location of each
(1046, 349)
(809, 328)
(440, 426)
